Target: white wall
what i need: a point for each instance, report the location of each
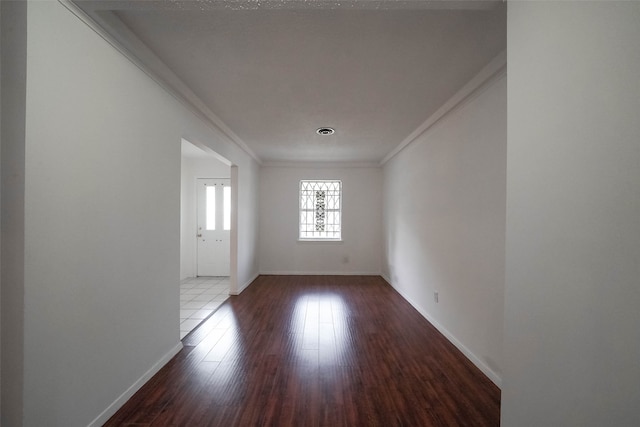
(572, 317)
(0, 211)
(191, 169)
(13, 83)
(102, 224)
(248, 226)
(444, 219)
(358, 253)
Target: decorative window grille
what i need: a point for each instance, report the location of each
(320, 210)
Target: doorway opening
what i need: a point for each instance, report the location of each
(206, 232)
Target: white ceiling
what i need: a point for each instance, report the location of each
(272, 72)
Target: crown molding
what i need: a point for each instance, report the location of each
(487, 76)
(319, 165)
(109, 27)
(208, 5)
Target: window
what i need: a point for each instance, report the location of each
(320, 210)
(210, 208)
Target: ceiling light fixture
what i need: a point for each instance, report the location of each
(325, 131)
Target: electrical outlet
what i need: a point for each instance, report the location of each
(435, 297)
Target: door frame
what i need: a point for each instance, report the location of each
(233, 244)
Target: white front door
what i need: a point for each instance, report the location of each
(214, 225)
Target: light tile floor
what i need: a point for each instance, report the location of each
(199, 297)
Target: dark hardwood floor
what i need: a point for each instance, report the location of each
(315, 351)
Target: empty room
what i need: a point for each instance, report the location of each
(319, 213)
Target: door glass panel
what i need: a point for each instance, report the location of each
(227, 208)
(211, 207)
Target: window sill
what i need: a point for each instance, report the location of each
(320, 240)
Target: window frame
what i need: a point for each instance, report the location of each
(300, 212)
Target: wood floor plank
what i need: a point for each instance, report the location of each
(315, 351)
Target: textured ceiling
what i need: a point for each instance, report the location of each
(274, 72)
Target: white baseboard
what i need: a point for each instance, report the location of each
(320, 273)
(493, 376)
(122, 399)
(246, 285)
